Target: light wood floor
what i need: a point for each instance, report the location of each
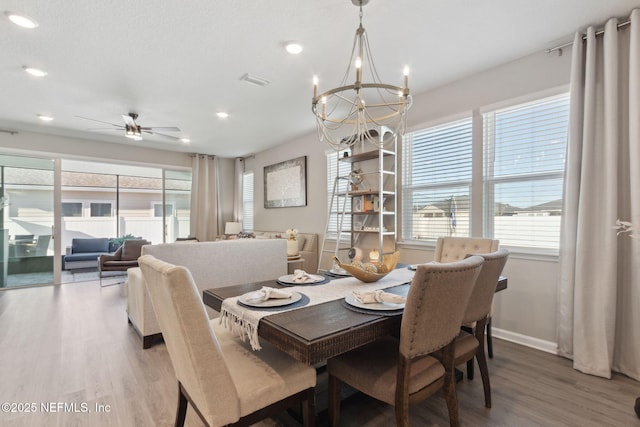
(72, 344)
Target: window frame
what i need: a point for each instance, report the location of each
(407, 228)
(248, 218)
(489, 180)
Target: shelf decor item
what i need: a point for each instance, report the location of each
(292, 243)
(359, 270)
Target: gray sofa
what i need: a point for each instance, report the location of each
(84, 252)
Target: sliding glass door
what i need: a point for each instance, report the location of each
(102, 200)
(91, 200)
(26, 221)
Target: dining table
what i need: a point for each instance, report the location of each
(314, 333)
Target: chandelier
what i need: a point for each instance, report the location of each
(361, 111)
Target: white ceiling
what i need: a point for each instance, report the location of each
(177, 63)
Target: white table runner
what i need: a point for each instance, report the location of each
(243, 321)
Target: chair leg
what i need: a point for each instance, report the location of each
(489, 339)
(449, 389)
(181, 412)
(109, 284)
(334, 401)
(470, 369)
(402, 392)
(309, 409)
(482, 363)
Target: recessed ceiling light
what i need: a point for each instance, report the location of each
(185, 140)
(35, 71)
(222, 115)
(45, 118)
(21, 20)
(293, 48)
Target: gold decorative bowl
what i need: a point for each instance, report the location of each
(389, 262)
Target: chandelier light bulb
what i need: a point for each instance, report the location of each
(358, 63)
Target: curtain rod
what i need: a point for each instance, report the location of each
(598, 33)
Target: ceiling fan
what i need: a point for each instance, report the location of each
(133, 130)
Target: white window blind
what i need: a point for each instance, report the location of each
(247, 201)
(524, 160)
(436, 181)
(335, 169)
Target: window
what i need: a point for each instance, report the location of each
(101, 209)
(524, 159)
(72, 209)
(335, 169)
(157, 210)
(247, 201)
(436, 181)
(522, 166)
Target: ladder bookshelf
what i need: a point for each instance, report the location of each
(366, 210)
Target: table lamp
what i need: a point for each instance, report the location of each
(232, 228)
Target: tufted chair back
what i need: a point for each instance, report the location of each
(450, 249)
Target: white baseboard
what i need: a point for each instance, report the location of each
(537, 343)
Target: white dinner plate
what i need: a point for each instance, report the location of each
(274, 302)
(289, 279)
(382, 306)
(339, 272)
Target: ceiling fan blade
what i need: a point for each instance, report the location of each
(163, 129)
(119, 128)
(166, 136)
(99, 121)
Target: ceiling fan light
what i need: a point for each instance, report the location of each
(21, 20)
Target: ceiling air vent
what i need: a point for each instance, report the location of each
(253, 79)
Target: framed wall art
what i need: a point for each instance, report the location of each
(285, 184)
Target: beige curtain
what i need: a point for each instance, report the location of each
(237, 194)
(205, 198)
(599, 300)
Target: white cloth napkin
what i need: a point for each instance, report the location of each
(379, 296)
(266, 293)
(301, 276)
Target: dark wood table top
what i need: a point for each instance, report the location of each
(315, 333)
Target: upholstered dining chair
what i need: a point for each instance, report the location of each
(450, 249)
(225, 382)
(469, 345)
(401, 371)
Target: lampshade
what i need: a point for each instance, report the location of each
(232, 227)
